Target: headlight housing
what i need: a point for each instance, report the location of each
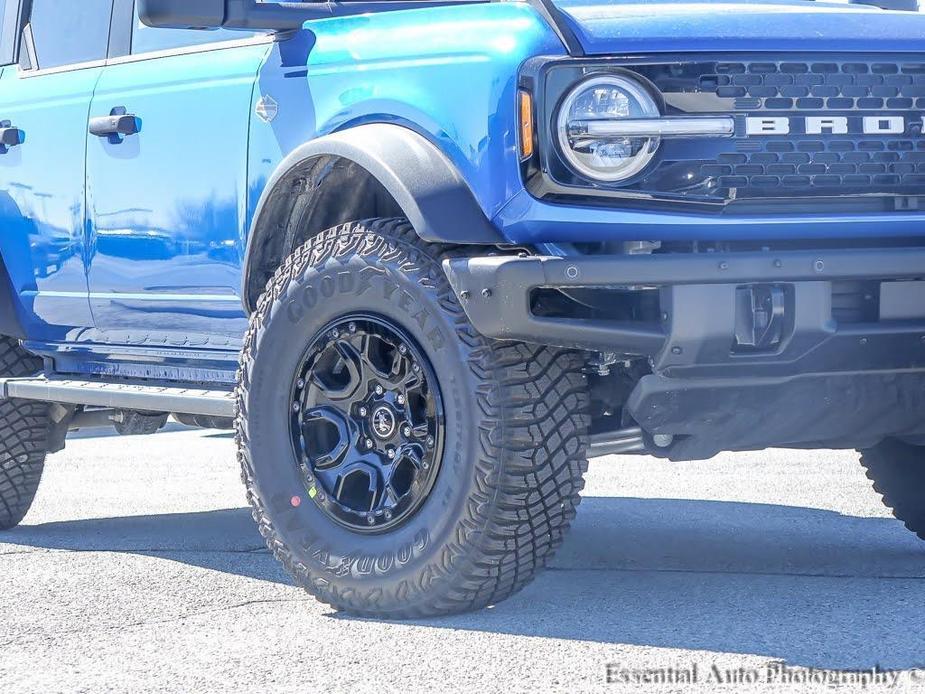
(606, 158)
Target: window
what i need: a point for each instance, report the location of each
(70, 31)
(147, 39)
(9, 15)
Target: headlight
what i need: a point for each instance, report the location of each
(606, 98)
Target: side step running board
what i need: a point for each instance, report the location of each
(121, 395)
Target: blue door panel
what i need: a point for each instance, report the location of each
(166, 207)
(42, 239)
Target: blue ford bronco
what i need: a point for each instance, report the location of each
(426, 257)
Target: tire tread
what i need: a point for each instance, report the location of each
(897, 473)
(23, 438)
(533, 403)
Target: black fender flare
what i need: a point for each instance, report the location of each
(424, 183)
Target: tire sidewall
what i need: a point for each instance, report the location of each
(407, 288)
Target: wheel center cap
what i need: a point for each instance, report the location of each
(383, 422)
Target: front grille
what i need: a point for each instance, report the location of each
(874, 172)
(812, 167)
(817, 86)
(807, 165)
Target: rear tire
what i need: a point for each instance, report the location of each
(897, 471)
(24, 426)
(515, 435)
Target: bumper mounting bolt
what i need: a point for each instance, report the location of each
(486, 293)
(676, 350)
(465, 295)
(663, 440)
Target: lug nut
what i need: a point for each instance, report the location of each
(379, 390)
(388, 515)
(362, 411)
(401, 399)
(295, 407)
(430, 441)
(369, 443)
(402, 349)
(352, 327)
(416, 367)
(391, 454)
(300, 383)
(406, 431)
(370, 518)
(335, 333)
(425, 465)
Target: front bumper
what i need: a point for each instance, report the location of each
(824, 382)
(495, 292)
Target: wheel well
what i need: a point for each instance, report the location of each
(320, 193)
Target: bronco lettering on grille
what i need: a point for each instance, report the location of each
(835, 125)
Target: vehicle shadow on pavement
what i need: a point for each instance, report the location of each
(806, 586)
(224, 540)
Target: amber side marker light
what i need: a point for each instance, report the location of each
(525, 103)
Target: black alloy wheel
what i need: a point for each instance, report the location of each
(366, 423)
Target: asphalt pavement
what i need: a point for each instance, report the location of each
(139, 569)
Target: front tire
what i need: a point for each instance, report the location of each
(513, 440)
(897, 471)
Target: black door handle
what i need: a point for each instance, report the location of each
(10, 136)
(118, 123)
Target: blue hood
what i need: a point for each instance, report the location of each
(658, 26)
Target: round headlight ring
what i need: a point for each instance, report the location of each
(643, 105)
